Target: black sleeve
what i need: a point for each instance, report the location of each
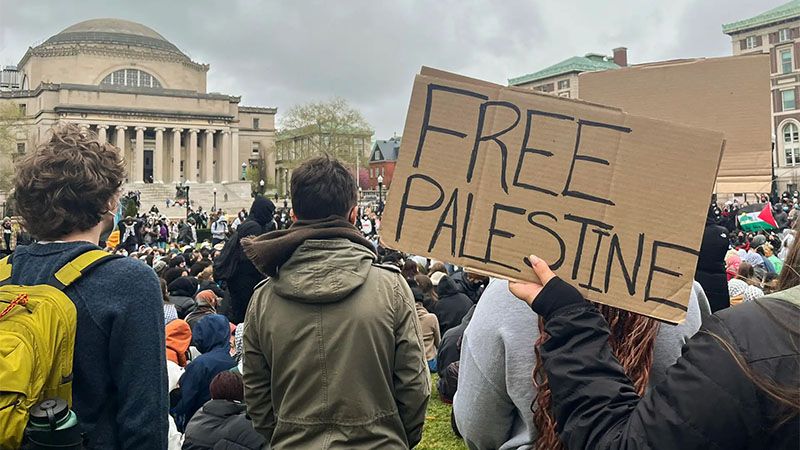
(703, 403)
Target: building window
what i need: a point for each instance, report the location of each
(371, 173)
(786, 61)
(784, 35)
(130, 77)
(21, 148)
(23, 109)
(563, 84)
(255, 123)
(788, 100)
(750, 42)
(791, 144)
(254, 149)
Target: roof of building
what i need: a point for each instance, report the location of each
(784, 12)
(592, 62)
(385, 150)
(113, 31)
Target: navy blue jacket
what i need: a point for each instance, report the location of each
(211, 336)
(119, 389)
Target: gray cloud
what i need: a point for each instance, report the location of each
(281, 53)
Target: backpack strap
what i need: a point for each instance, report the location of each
(80, 266)
(5, 269)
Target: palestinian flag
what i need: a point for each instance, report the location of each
(757, 221)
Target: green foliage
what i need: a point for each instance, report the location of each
(332, 126)
(437, 433)
(253, 175)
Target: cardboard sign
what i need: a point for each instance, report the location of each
(730, 94)
(615, 203)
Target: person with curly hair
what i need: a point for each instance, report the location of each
(67, 191)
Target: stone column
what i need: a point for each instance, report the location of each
(190, 168)
(225, 170)
(102, 133)
(176, 155)
(138, 156)
(84, 127)
(158, 157)
(121, 139)
(208, 165)
(236, 165)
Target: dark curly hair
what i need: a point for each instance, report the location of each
(66, 184)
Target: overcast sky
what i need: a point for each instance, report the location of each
(281, 53)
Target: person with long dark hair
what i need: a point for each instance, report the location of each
(736, 386)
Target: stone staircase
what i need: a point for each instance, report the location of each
(200, 194)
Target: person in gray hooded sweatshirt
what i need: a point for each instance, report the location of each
(492, 405)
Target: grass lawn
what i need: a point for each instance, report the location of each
(437, 434)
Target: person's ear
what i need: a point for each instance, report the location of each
(353, 216)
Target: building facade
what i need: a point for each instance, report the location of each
(138, 91)
(777, 32)
(562, 79)
(382, 161)
(292, 147)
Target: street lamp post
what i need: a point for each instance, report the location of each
(380, 194)
(261, 183)
(215, 199)
(244, 171)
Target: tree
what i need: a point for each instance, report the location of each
(331, 126)
(254, 176)
(363, 177)
(10, 116)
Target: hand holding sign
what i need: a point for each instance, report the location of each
(486, 170)
(529, 291)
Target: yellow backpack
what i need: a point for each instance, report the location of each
(37, 339)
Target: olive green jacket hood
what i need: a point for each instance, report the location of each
(323, 271)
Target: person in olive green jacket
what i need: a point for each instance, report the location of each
(333, 350)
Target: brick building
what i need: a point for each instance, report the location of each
(777, 32)
(382, 161)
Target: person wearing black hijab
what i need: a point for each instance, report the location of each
(234, 268)
(181, 293)
(710, 272)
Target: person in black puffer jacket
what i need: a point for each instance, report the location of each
(181, 294)
(452, 305)
(735, 386)
(232, 266)
(710, 272)
(222, 424)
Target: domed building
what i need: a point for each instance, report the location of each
(140, 92)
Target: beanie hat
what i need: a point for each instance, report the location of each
(758, 241)
(437, 277)
(159, 266)
(227, 386)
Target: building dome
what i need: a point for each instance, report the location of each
(113, 32)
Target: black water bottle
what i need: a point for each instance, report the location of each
(52, 424)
